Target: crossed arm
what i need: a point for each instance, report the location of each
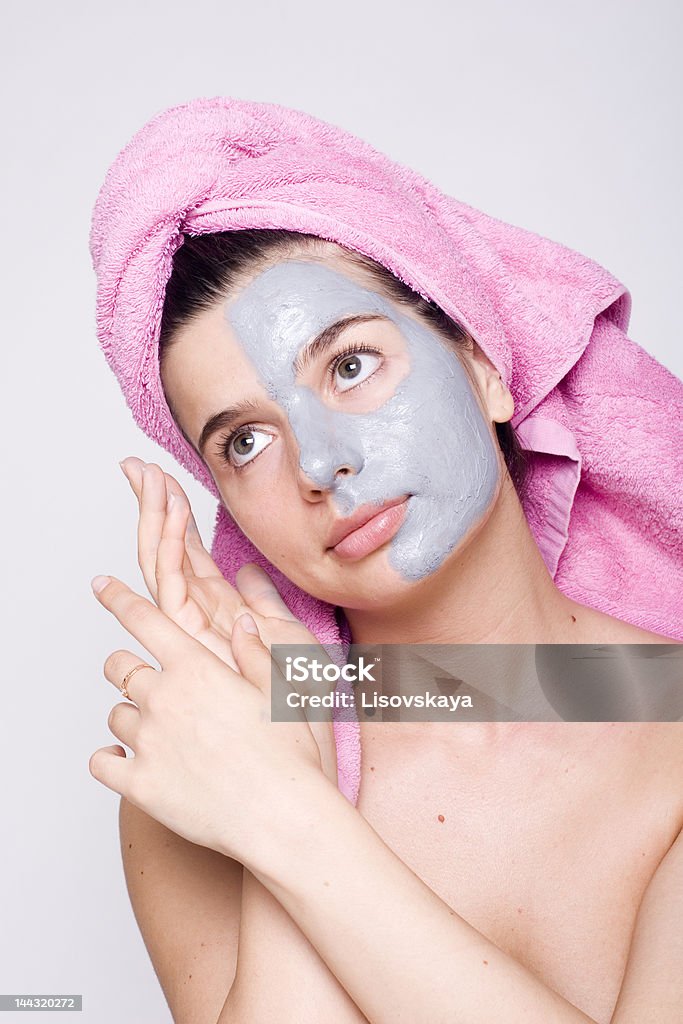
(347, 925)
(404, 955)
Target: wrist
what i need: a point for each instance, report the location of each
(286, 836)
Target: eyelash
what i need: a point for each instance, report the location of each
(226, 440)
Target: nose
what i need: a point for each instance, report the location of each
(321, 467)
(329, 448)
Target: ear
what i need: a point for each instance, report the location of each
(497, 399)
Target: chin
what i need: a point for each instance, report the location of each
(366, 583)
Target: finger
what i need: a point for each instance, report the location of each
(124, 723)
(115, 748)
(134, 471)
(133, 468)
(260, 593)
(256, 664)
(153, 511)
(200, 560)
(118, 668)
(151, 523)
(253, 658)
(170, 577)
(109, 765)
(166, 641)
(202, 563)
(197, 559)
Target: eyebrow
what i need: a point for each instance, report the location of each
(225, 419)
(328, 337)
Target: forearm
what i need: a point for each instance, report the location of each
(400, 952)
(280, 976)
(186, 901)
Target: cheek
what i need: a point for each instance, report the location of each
(257, 507)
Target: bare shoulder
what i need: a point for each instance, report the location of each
(594, 627)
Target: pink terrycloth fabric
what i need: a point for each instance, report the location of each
(603, 418)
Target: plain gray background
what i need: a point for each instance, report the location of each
(562, 118)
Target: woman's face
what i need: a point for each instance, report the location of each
(316, 401)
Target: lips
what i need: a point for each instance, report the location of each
(343, 527)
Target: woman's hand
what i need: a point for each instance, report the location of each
(209, 764)
(187, 585)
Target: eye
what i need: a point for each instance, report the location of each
(354, 368)
(243, 445)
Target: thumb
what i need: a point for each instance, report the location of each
(257, 664)
(257, 589)
(251, 654)
(247, 624)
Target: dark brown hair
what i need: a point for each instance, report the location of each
(206, 268)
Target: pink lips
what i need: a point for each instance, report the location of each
(368, 529)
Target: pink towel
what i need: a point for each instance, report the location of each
(603, 418)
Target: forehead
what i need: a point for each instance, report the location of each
(325, 289)
(287, 304)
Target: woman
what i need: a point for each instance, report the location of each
(427, 901)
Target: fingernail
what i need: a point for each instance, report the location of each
(170, 501)
(99, 583)
(248, 623)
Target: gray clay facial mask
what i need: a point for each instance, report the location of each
(428, 439)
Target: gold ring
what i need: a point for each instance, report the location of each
(127, 676)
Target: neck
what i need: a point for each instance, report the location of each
(498, 590)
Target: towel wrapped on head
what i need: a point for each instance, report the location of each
(602, 420)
